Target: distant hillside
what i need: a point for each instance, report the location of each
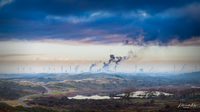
(96, 76)
(25, 75)
(10, 90)
(187, 76)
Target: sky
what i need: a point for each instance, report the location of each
(99, 34)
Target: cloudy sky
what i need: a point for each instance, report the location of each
(54, 33)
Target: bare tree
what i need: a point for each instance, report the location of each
(127, 93)
(43, 92)
(151, 92)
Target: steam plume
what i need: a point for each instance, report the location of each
(119, 58)
(76, 68)
(92, 66)
(151, 69)
(105, 64)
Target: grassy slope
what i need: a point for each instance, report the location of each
(12, 103)
(10, 90)
(101, 81)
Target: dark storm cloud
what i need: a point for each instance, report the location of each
(168, 29)
(98, 20)
(79, 7)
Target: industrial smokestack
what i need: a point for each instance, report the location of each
(115, 68)
(174, 68)
(135, 68)
(61, 69)
(30, 69)
(49, 70)
(182, 69)
(195, 68)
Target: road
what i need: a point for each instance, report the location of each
(20, 100)
(49, 91)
